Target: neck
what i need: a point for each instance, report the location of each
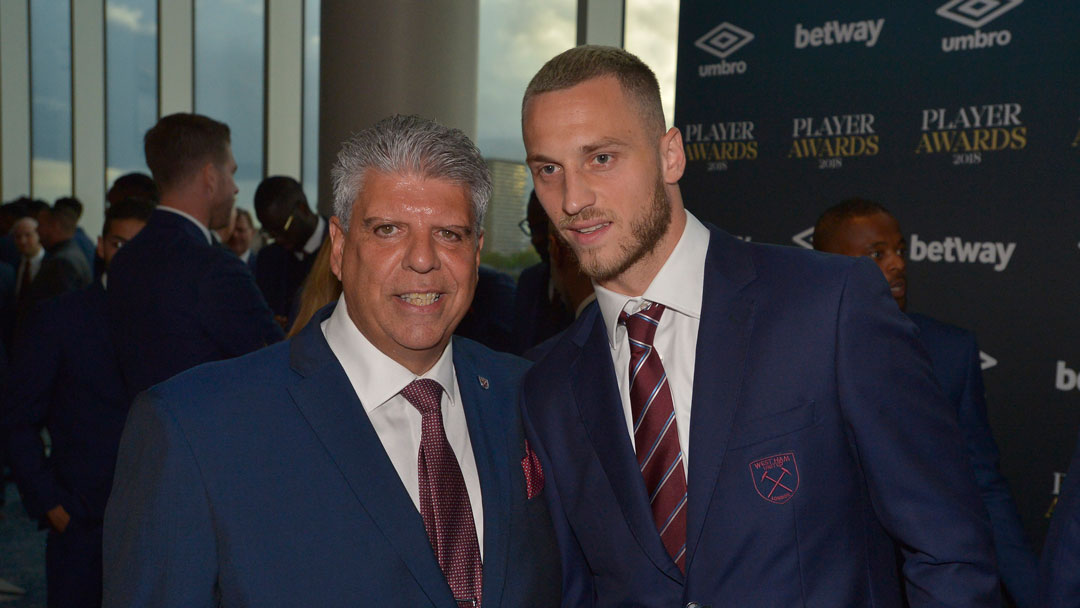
(636, 279)
(195, 207)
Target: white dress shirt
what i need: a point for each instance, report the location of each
(378, 381)
(190, 218)
(35, 266)
(679, 287)
(313, 242)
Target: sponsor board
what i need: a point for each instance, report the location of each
(986, 361)
(1065, 378)
(955, 250)
(975, 14)
(722, 41)
(835, 32)
(968, 132)
(828, 140)
(718, 144)
(804, 239)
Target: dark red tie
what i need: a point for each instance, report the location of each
(656, 436)
(444, 500)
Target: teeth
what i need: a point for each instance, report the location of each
(591, 229)
(420, 299)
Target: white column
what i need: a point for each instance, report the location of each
(88, 110)
(176, 56)
(284, 87)
(14, 98)
(601, 22)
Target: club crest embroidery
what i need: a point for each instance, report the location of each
(776, 478)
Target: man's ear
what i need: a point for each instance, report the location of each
(208, 175)
(337, 246)
(672, 156)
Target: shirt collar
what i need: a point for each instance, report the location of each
(190, 218)
(679, 285)
(375, 377)
(316, 239)
(37, 257)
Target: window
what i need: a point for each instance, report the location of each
(50, 99)
(652, 33)
(229, 53)
(310, 151)
(130, 83)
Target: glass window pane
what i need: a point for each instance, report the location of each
(131, 83)
(516, 38)
(229, 80)
(50, 98)
(310, 169)
(652, 32)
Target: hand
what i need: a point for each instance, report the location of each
(58, 518)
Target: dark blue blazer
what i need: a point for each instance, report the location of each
(66, 379)
(176, 301)
(957, 366)
(803, 360)
(86, 246)
(260, 482)
(1059, 570)
(489, 320)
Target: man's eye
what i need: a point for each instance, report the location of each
(547, 169)
(450, 235)
(603, 159)
(385, 230)
(875, 255)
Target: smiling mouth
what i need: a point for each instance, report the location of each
(590, 229)
(421, 299)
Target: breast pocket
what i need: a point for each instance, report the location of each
(771, 426)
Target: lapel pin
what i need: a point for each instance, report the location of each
(484, 384)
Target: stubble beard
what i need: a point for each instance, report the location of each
(645, 234)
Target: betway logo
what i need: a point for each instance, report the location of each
(954, 249)
(1065, 379)
(834, 32)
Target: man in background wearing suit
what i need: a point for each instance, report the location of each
(539, 309)
(734, 424)
(75, 207)
(241, 237)
(66, 380)
(176, 300)
(371, 459)
(298, 233)
(1059, 570)
(858, 227)
(64, 267)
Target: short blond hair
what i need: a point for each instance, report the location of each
(579, 64)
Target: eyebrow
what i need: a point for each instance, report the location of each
(607, 142)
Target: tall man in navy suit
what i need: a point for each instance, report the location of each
(371, 460)
(176, 300)
(734, 424)
(859, 227)
(66, 379)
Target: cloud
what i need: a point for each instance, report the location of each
(129, 18)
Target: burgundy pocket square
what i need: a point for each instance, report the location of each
(534, 474)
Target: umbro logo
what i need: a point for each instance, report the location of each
(724, 39)
(976, 13)
(804, 239)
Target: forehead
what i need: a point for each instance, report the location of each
(398, 196)
(24, 226)
(597, 104)
(870, 229)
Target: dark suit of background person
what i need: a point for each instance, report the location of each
(538, 312)
(298, 233)
(1059, 570)
(71, 385)
(490, 319)
(806, 375)
(860, 227)
(176, 301)
(957, 366)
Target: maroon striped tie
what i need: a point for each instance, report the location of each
(444, 500)
(656, 435)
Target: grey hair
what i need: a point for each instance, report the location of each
(411, 145)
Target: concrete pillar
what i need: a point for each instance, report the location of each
(379, 58)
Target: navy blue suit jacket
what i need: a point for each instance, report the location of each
(280, 275)
(803, 360)
(1059, 570)
(260, 482)
(176, 301)
(957, 366)
(536, 317)
(66, 379)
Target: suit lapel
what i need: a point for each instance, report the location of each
(727, 318)
(597, 394)
(488, 433)
(328, 402)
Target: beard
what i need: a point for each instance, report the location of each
(645, 233)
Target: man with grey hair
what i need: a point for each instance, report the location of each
(370, 460)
